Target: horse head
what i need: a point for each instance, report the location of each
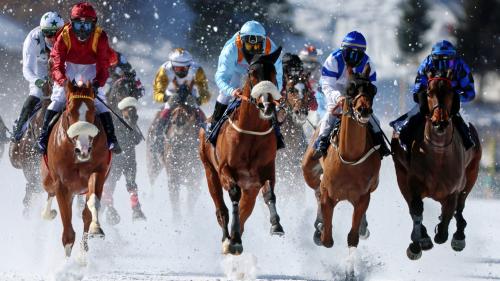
(297, 99)
(81, 116)
(261, 83)
(359, 95)
(442, 103)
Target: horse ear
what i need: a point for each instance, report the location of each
(71, 85)
(275, 55)
(366, 71)
(449, 74)
(87, 85)
(430, 74)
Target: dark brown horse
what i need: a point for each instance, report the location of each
(350, 170)
(77, 162)
(242, 162)
(23, 154)
(437, 166)
(179, 155)
(293, 116)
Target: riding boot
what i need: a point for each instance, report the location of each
(323, 141)
(464, 131)
(107, 123)
(406, 126)
(28, 107)
(378, 139)
(219, 110)
(44, 134)
(280, 140)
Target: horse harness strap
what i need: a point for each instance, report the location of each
(362, 159)
(254, 133)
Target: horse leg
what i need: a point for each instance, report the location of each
(327, 205)
(420, 238)
(318, 223)
(112, 216)
(48, 213)
(270, 200)
(359, 213)
(247, 204)
(235, 245)
(448, 207)
(30, 189)
(174, 194)
(65, 201)
(96, 182)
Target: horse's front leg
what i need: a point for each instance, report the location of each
(235, 245)
(91, 212)
(65, 201)
(420, 238)
(448, 207)
(247, 204)
(48, 213)
(318, 223)
(358, 217)
(270, 199)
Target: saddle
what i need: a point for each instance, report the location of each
(214, 133)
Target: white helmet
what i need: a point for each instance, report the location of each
(51, 22)
(180, 57)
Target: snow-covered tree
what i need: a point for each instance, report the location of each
(412, 27)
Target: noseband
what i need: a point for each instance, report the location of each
(438, 105)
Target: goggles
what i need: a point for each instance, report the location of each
(253, 44)
(82, 25)
(443, 62)
(49, 33)
(352, 56)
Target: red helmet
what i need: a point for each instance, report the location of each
(83, 10)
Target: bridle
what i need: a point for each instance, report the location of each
(438, 105)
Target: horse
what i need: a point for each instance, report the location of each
(293, 116)
(123, 98)
(24, 155)
(77, 162)
(437, 166)
(178, 157)
(243, 160)
(350, 170)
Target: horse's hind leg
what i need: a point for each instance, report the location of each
(448, 207)
(360, 208)
(48, 213)
(270, 200)
(65, 201)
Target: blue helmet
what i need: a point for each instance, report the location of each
(443, 48)
(354, 40)
(253, 28)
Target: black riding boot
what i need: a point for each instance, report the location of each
(107, 123)
(378, 139)
(28, 107)
(44, 134)
(406, 126)
(217, 115)
(321, 146)
(464, 131)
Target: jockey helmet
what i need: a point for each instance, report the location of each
(83, 19)
(309, 56)
(292, 65)
(443, 55)
(253, 36)
(353, 48)
(83, 10)
(50, 24)
(181, 60)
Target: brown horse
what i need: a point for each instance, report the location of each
(293, 116)
(24, 155)
(350, 170)
(437, 166)
(242, 162)
(77, 161)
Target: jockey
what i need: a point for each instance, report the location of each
(293, 72)
(36, 49)
(443, 57)
(232, 66)
(121, 71)
(333, 83)
(81, 52)
(309, 56)
(176, 76)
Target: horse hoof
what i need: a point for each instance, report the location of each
(317, 238)
(67, 249)
(225, 246)
(112, 216)
(457, 245)
(235, 249)
(426, 243)
(48, 216)
(414, 252)
(95, 231)
(440, 238)
(365, 235)
(138, 215)
(277, 229)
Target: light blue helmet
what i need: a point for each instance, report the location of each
(252, 28)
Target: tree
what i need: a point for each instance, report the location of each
(413, 24)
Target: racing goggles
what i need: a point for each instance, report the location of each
(49, 33)
(253, 44)
(352, 56)
(443, 62)
(82, 25)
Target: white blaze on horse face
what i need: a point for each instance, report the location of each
(82, 111)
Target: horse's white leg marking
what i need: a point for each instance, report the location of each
(94, 204)
(48, 213)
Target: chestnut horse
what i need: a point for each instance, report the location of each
(350, 170)
(437, 166)
(242, 161)
(77, 161)
(293, 116)
(23, 155)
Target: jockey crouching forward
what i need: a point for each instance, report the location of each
(36, 50)
(177, 77)
(80, 53)
(333, 83)
(232, 67)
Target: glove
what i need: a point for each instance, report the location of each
(40, 83)
(95, 87)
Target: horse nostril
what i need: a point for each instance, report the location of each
(77, 151)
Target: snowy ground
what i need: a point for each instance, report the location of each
(189, 248)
